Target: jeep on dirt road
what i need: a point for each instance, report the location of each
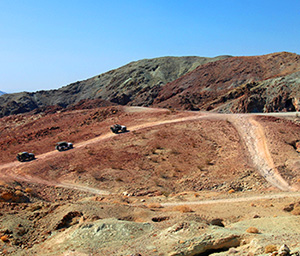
(117, 128)
(25, 156)
(63, 145)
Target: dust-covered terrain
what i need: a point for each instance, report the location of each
(177, 183)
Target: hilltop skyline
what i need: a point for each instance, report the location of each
(48, 45)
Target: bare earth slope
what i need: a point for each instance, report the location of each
(136, 83)
(239, 84)
(158, 189)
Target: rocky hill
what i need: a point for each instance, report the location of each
(264, 83)
(136, 83)
(267, 83)
(177, 182)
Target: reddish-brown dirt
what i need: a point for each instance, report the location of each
(207, 165)
(164, 151)
(207, 82)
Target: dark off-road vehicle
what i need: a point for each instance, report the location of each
(25, 156)
(117, 128)
(63, 145)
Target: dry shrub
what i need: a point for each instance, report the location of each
(296, 210)
(252, 230)
(2, 183)
(28, 190)
(154, 205)
(119, 201)
(270, 248)
(34, 207)
(182, 208)
(19, 193)
(4, 238)
(18, 188)
(7, 196)
(139, 220)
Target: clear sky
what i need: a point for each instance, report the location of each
(46, 44)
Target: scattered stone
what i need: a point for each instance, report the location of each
(296, 210)
(252, 230)
(297, 145)
(71, 218)
(289, 208)
(270, 248)
(160, 219)
(232, 251)
(284, 250)
(4, 238)
(217, 222)
(125, 193)
(231, 191)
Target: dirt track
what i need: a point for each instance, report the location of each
(253, 136)
(250, 131)
(234, 200)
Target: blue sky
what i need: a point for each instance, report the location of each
(46, 44)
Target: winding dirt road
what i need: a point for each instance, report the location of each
(250, 131)
(255, 141)
(234, 200)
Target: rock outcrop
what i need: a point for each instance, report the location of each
(266, 83)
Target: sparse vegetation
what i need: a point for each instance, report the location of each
(182, 208)
(296, 210)
(252, 230)
(154, 205)
(19, 193)
(270, 248)
(29, 190)
(4, 238)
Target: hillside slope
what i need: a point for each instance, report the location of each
(150, 156)
(181, 182)
(239, 84)
(136, 83)
(266, 83)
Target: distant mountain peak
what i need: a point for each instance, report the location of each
(2, 92)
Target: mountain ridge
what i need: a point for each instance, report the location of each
(221, 81)
(242, 84)
(131, 83)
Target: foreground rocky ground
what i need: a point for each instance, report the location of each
(188, 223)
(179, 183)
